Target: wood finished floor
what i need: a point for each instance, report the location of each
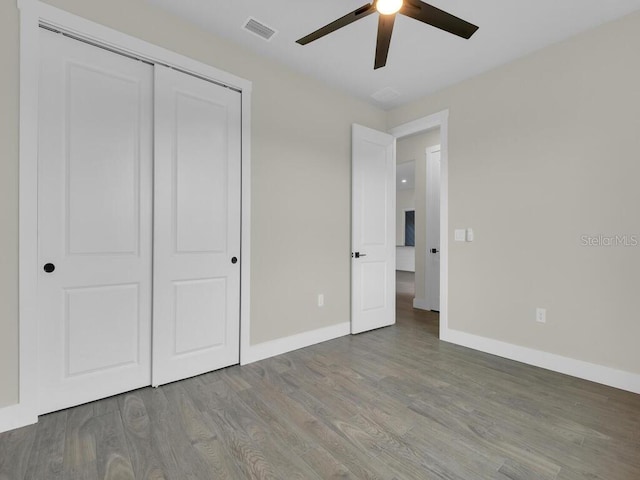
(395, 403)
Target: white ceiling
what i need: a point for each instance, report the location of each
(422, 59)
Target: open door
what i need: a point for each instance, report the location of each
(373, 204)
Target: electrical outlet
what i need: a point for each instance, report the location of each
(541, 315)
(321, 300)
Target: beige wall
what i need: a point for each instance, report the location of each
(414, 148)
(543, 151)
(301, 141)
(9, 46)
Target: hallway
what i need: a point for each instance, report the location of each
(405, 291)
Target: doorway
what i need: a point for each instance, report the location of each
(420, 143)
(405, 227)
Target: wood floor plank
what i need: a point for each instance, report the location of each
(79, 459)
(361, 464)
(278, 421)
(517, 471)
(137, 430)
(461, 413)
(85, 471)
(15, 449)
(112, 453)
(321, 460)
(490, 430)
(256, 435)
(180, 459)
(200, 431)
(359, 396)
(106, 405)
(48, 455)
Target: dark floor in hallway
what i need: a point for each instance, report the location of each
(405, 292)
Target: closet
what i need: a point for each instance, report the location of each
(138, 223)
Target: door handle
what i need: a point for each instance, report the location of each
(434, 250)
(49, 267)
(234, 260)
(358, 254)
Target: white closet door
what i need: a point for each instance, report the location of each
(196, 226)
(94, 223)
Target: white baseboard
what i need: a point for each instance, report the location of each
(272, 348)
(16, 416)
(420, 304)
(577, 368)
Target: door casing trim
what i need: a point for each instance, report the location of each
(425, 297)
(437, 120)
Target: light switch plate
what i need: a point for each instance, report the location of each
(459, 235)
(469, 234)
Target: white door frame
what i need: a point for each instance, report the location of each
(34, 13)
(437, 120)
(430, 303)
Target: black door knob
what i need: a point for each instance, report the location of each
(234, 260)
(434, 250)
(49, 267)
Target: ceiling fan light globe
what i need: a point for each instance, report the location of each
(389, 7)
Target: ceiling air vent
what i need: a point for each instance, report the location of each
(386, 95)
(259, 29)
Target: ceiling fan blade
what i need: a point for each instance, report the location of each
(385, 30)
(438, 18)
(351, 17)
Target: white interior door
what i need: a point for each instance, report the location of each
(432, 259)
(94, 223)
(196, 226)
(373, 281)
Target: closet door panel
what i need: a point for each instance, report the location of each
(94, 223)
(196, 226)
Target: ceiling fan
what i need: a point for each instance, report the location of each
(388, 9)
